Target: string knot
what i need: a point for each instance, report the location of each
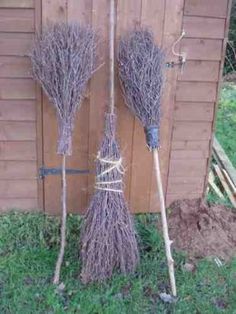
(113, 164)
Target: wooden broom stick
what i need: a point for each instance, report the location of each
(167, 240)
(63, 224)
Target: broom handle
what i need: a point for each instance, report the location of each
(111, 57)
(170, 260)
(63, 224)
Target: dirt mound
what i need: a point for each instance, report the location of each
(202, 230)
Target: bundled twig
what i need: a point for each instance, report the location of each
(108, 236)
(141, 64)
(63, 59)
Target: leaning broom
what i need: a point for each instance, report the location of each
(108, 237)
(141, 64)
(63, 59)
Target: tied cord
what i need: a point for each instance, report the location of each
(114, 164)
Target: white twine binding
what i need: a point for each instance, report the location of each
(115, 164)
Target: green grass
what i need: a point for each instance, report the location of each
(28, 251)
(226, 131)
(226, 121)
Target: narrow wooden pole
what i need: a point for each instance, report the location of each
(56, 278)
(167, 240)
(112, 57)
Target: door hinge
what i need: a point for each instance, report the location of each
(44, 171)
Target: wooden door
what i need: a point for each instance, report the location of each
(164, 18)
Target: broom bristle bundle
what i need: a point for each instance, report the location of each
(141, 74)
(108, 237)
(63, 59)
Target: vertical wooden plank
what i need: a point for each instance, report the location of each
(128, 16)
(226, 31)
(152, 17)
(52, 11)
(172, 30)
(39, 112)
(80, 11)
(99, 86)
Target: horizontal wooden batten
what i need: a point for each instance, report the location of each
(17, 88)
(18, 188)
(193, 111)
(15, 170)
(15, 44)
(191, 187)
(17, 131)
(17, 110)
(184, 130)
(191, 145)
(196, 92)
(17, 3)
(170, 198)
(18, 151)
(189, 154)
(187, 167)
(16, 20)
(214, 8)
(19, 204)
(202, 49)
(202, 71)
(16, 67)
(203, 27)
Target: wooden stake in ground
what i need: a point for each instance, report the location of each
(141, 64)
(63, 60)
(108, 240)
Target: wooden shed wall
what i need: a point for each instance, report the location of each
(18, 152)
(206, 27)
(27, 121)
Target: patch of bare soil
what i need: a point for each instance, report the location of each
(202, 230)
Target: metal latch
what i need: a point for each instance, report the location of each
(44, 171)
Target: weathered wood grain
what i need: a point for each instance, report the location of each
(202, 49)
(15, 44)
(185, 130)
(18, 189)
(190, 145)
(16, 20)
(198, 70)
(18, 150)
(17, 131)
(18, 204)
(12, 170)
(188, 167)
(15, 67)
(17, 110)
(193, 111)
(215, 8)
(196, 91)
(203, 27)
(17, 89)
(17, 3)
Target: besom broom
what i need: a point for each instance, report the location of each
(108, 241)
(141, 64)
(63, 60)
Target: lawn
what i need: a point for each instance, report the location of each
(29, 246)
(28, 251)
(226, 131)
(226, 121)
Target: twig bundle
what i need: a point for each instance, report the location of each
(63, 59)
(141, 64)
(141, 73)
(108, 237)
